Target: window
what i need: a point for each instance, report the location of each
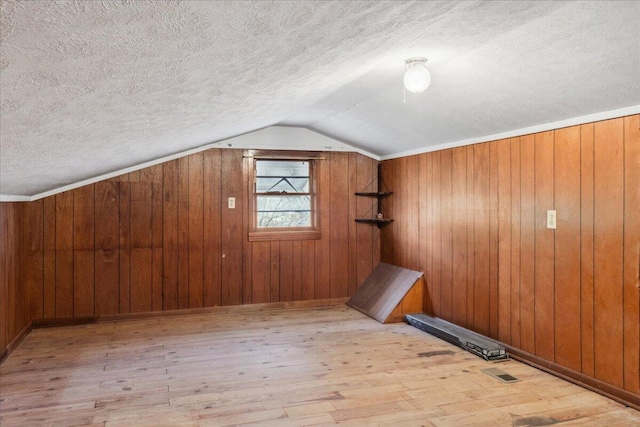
(284, 201)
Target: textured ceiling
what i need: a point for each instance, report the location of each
(91, 87)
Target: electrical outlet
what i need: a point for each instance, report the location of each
(232, 203)
(551, 220)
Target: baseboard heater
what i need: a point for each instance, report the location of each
(456, 335)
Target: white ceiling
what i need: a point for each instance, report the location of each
(92, 87)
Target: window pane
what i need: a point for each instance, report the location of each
(282, 176)
(284, 211)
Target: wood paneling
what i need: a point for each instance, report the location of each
(170, 247)
(493, 240)
(504, 240)
(6, 249)
(586, 248)
(446, 229)
(163, 238)
(107, 254)
(352, 225)
(13, 313)
(568, 296)
(64, 254)
(527, 244)
(322, 288)
(212, 228)
(543, 246)
(32, 261)
(286, 271)
(196, 231)
(83, 253)
(339, 211)
(436, 232)
(275, 272)
(469, 225)
(183, 232)
(481, 287)
(631, 266)
(141, 279)
(364, 209)
(232, 229)
(261, 272)
(514, 310)
(567, 245)
(49, 273)
(125, 246)
(459, 238)
(608, 157)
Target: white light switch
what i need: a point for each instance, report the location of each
(232, 203)
(551, 220)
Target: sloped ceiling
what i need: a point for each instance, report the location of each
(92, 87)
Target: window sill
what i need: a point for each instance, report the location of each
(283, 234)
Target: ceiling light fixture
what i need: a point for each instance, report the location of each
(416, 75)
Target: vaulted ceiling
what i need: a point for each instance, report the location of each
(92, 87)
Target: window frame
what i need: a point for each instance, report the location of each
(264, 234)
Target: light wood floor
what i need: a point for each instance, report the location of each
(276, 367)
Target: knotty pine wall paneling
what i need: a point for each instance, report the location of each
(570, 295)
(163, 238)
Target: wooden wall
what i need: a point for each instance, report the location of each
(162, 238)
(474, 220)
(12, 293)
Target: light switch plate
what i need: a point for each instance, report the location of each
(232, 202)
(551, 220)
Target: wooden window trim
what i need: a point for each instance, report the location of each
(284, 233)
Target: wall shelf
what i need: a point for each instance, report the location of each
(383, 194)
(379, 195)
(379, 221)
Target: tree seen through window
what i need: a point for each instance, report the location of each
(282, 193)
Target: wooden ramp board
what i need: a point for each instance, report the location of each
(389, 293)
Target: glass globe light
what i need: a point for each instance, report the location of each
(416, 75)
